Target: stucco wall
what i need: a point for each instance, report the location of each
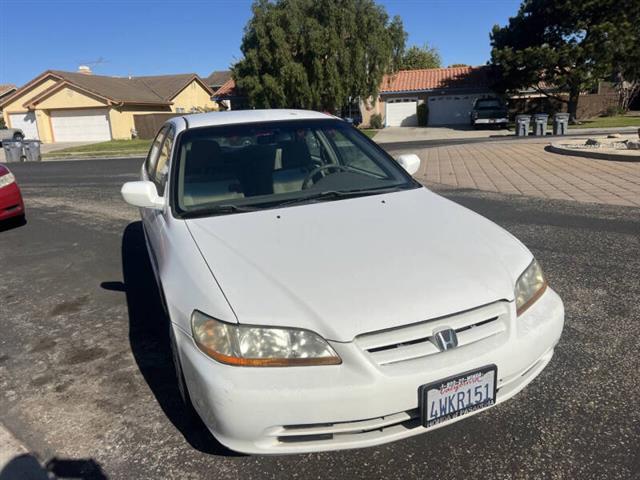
(121, 119)
(193, 95)
(43, 120)
(70, 98)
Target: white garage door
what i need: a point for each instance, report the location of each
(25, 122)
(450, 110)
(402, 112)
(84, 125)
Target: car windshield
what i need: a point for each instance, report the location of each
(225, 169)
(489, 103)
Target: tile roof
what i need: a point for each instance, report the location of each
(218, 78)
(227, 89)
(435, 78)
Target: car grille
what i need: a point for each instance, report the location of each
(415, 341)
(344, 431)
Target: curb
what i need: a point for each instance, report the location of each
(556, 148)
(10, 447)
(71, 158)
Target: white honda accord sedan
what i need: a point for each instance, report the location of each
(319, 297)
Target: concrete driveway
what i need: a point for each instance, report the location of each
(415, 134)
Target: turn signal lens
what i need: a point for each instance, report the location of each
(529, 287)
(254, 346)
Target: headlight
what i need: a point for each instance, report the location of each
(7, 179)
(253, 346)
(529, 287)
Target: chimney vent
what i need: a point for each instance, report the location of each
(84, 69)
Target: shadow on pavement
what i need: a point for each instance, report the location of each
(27, 467)
(150, 342)
(12, 223)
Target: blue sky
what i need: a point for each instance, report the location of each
(150, 37)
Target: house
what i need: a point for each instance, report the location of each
(6, 89)
(448, 92)
(229, 96)
(59, 106)
(217, 79)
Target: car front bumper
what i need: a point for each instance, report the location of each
(358, 403)
(11, 204)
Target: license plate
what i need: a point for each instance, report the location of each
(456, 396)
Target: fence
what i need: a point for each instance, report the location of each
(589, 105)
(147, 125)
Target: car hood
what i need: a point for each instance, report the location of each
(342, 268)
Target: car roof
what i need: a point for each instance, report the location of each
(235, 117)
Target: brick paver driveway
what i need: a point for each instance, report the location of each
(526, 168)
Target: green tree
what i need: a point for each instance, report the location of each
(316, 54)
(626, 63)
(570, 44)
(415, 58)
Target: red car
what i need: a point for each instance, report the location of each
(11, 204)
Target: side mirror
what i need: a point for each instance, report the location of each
(410, 162)
(142, 194)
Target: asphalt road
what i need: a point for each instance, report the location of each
(85, 373)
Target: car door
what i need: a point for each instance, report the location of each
(157, 172)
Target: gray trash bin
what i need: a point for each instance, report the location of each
(12, 151)
(32, 150)
(522, 125)
(560, 123)
(540, 124)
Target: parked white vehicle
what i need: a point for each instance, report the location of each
(11, 134)
(319, 297)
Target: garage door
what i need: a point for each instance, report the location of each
(450, 110)
(85, 125)
(401, 112)
(25, 122)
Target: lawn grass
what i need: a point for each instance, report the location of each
(369, 132)
(607, 122)
(106, 149)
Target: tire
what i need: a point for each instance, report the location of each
(18, 137)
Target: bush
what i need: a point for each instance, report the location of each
(423, 115)
(613, 111)
(375, 121)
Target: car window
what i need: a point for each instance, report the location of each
(162, 165)
(489, 103)
(152, 156)
(353, 155)
(263, 164)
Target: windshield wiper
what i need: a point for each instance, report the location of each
(218, 210)
(335, 194)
